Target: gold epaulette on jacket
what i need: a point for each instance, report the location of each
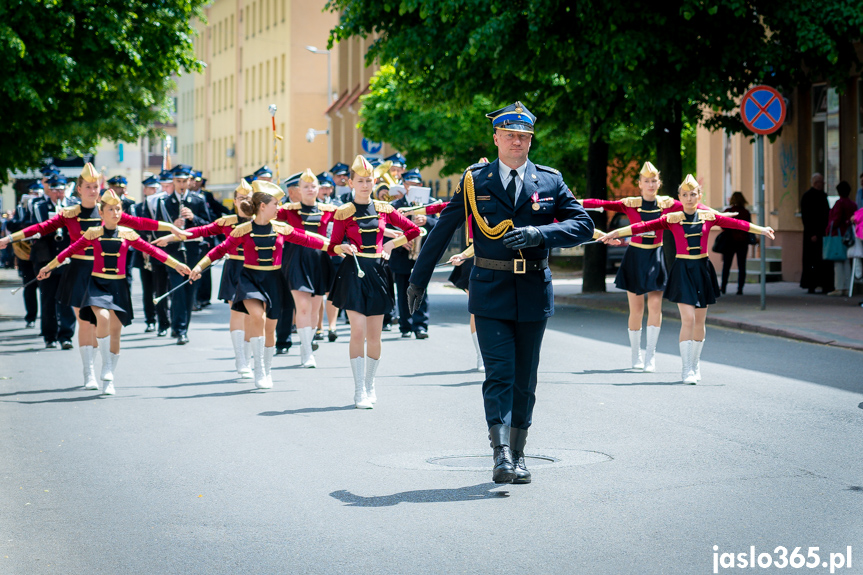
(633, 202)
(345, 211)
(94, 232)
(292, 206)
(127, 234)
(675, 217)
(664, 202)
(72, 212)
(383, 207)
(242, 230)
(706, 215)
(327, 207)
(228, 220)
(282, 228)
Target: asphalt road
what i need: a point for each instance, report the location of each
(189, 471)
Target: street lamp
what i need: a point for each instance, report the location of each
(329, 131)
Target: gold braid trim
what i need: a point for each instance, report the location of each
(664, 202)
(71, 212)
(94, 232)
(492, 233)
(172, 263)
(675, 217)
(327, 207)
(707, 215)
(242, 230)
(282, 228)
(203, 264)
(227, 220)
(128, 234)
(383, 207)
(345, 211)
(633, 202)
(400, 241)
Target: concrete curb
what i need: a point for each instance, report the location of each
(742, 325)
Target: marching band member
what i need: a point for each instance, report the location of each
(364, 288)
(107, 303)
(327, 196)
(261, 286)
(692, 284)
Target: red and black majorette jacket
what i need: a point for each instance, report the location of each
(690, 231)
(362, 225)
(261, 244)
(315, 219)
(221, 227)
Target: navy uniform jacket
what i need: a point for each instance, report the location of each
(169, 210)
(400, 261)
(48, 247)
(503, 294)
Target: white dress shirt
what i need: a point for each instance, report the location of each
(504, 170)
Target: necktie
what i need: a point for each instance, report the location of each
(510, 188)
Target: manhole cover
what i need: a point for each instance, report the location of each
(483, 461)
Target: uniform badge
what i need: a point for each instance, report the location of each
(536, 207)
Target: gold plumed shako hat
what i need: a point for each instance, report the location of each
(89, 173)
(309, 176)
(689, 184)
(265, 187)
(110, 198)
(648, 170)
(513, 118)
(362, 167)
(244, 187)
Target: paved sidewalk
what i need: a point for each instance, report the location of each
(791, 312)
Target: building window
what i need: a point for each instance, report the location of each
(268, 14)
(254, 17)
(231, 31)
(268, 78)
(261, 80)
(284, 80)
(261, 16)
(283, 10)
(825, 135)
(246, 21)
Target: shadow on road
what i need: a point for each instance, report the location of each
(32, 391)
(306, 410)
(471, 493)
(63, 399)
(232, 380)
(217, 394)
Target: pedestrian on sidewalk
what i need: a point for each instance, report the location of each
(815, 211)
(736, 243)
(692, 282)
(837, 224)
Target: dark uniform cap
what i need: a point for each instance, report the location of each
(413, 175)
(293, 180)
(150, 182)
(36, 186)
(118, 181)
(375, 162)
(198, 176)
(165, 176)
(49, 171)
(181, 171)
(341, 169)
(250, 178)
(325, 179)
(397, 159)
(513, 118)
(264, 172)
(57, 182)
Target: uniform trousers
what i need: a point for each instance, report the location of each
(205, 287)
(57, 320)
(182, 299)
(154, 282)
(510, 352)
(286, 315)
(31, 299)
(420, 318)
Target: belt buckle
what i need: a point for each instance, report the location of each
(519, 266)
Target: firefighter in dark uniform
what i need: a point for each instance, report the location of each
(520, 211)
(58, 320)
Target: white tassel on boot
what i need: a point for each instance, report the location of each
(109, 388)
(686, 374)
(237, 338)
(696, 358)
(650, 351)
(307, 356)
(105, 351)
(361, 400)
(635, 344)
(480, 366)
(88, 357)
(257, 344)
(371, 369)
(269, 352)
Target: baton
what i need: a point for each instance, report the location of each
(156, 300)
(360, 273)
(34, 280)
(35, 236)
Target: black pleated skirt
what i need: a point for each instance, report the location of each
(230, 278)
(642, 271)
(108, 294)
(310, 270)
(268, 286)
(692, 282)
(370, 295)
(460, 275)
(74, 281)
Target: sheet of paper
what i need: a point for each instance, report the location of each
(418, 195)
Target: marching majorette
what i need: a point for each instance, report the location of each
(107, 303)
(364, 287)
(692, 283)
(261, 286)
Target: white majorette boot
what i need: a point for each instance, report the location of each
(480, 366)
(105, 351)
(109, 387)
(361, 400)
(237, 338)
(88, 357)
(258, 350)
(635, 344)
(269, 352)
(686, 374)
(650, 351)
(696, 358)
(371, 369)
(307, 355)
(247, 353)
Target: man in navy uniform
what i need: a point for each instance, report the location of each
(341, 174)
(154, 275)
(198, 185)
(118, 184)
(24, 217)
(286, 315)
(399, 166)
(514, 204)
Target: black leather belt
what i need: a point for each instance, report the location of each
(515, 266)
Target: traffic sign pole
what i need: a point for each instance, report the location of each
(761, 220)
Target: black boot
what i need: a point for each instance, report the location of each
(504, 469)
(518, 439)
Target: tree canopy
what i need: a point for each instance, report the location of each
(78, 71)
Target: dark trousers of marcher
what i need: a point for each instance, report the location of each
(205, 287)
(407, 322)
(286, 317)
(151, 290)
(31, 299)
(182, 299)
(741, 251)
(816, 272)
(57, 321)
(160, 286)
(510, 352)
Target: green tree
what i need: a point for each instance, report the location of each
(78, 71)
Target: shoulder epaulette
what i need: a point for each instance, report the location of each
(327, 207)
(633, 202)
(675, 217)
(228, 220)
(282, 228)
(477, 166)
(664, 202)
(346, 211)
(547, 169)
(292, 206)
(706, 215)
(383, 207)
(127, 234)
(242, 230)
(72, 212)
(94, 232)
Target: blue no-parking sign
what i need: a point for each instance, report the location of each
(372, 148)
(762, 110)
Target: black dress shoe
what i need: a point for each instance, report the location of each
(174, 334)
(522, 475)
(406, 334)
(197, 307)
(162, 333)
(204, 304)
(422, 334)
(319, 335)
(50, 345)
(150, 328)
(182, 339)
(315, 345)
(30, 324)
(333, 336)
(388, 327)
(282, 349)
(66, 344)
(504, 468)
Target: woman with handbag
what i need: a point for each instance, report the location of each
(735, 243)
(835, 244)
